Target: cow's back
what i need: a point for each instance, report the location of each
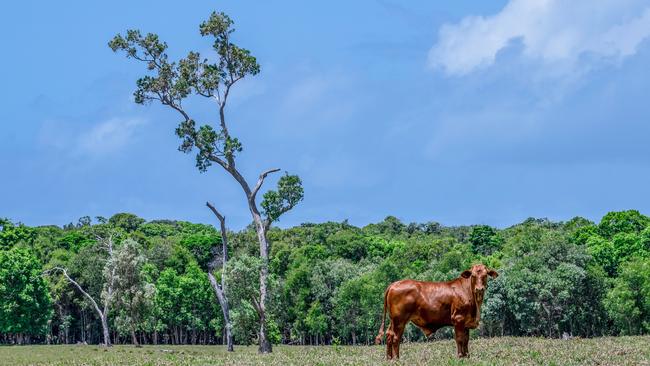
(427, 304)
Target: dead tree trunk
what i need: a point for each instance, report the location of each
(220, 289)
(261, 227)
(102, 314)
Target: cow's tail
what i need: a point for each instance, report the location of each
(380, 336)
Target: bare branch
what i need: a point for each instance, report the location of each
(65, 273)
(260, 181)
(224, 245)
(216, 213)
(217, 289)
(179, 109)
(256, 304)
(220, 161)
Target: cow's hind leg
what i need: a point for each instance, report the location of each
(398, 331)
(389, 342)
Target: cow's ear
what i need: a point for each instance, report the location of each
(466, 274)
(493, 273)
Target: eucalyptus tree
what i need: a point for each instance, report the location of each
(170, 83)
(133, 295)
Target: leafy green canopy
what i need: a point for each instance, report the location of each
(11, 234)
(327, 279)
(25, 304)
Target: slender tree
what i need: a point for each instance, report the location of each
(220, 289)
(172, 82)
(108, 291)
(133, 295)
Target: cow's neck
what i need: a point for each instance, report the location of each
(478, 304)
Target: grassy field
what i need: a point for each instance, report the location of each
(494, 351)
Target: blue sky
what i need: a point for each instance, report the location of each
(460, 112)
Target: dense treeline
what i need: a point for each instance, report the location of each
(577, 278)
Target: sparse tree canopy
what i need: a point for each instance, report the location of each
(170, 83)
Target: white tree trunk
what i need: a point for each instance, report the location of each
(223, 301)
(102, 314)
(220, 290)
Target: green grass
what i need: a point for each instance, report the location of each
(492, 351)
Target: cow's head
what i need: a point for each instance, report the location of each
(478, 275)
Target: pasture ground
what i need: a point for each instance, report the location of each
(489, 351)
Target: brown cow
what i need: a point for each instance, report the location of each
(433, 305)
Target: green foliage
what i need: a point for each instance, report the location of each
(610, 253)
(74, 240)
(234, 62)
(327, 280)
(202, 247)
(538, 292)
(390, 226)
(88, 267)
(582, 234)
(11, 234)
(159, 229)
(485, 240)
(133, 295)
(288, 194)
(25, 304)
(186, 301)
(630, 221)
(349, 244)
(171, 82)
(126, 221)
(603, 253)
(628, 302)
(243, 276)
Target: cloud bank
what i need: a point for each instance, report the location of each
(549, 32)
(109, 136)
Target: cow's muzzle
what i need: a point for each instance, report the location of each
(479, 292)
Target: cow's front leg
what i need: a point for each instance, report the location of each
(466, 343)
(462, 339)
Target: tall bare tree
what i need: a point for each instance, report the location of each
(169, 83)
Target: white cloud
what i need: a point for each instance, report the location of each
(315, 102)
(307, 92)
(551, 32)
(108, 136)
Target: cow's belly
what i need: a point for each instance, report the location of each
(433, 318)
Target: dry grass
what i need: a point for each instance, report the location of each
(494, 351)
